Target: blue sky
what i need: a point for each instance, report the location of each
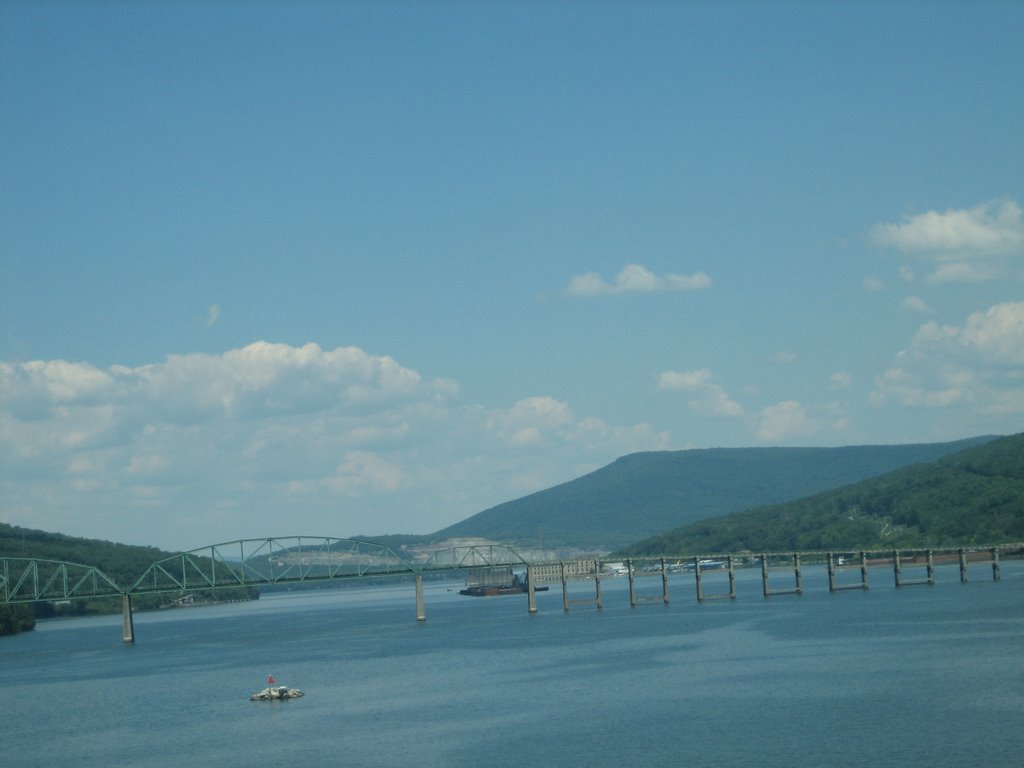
(364, 268)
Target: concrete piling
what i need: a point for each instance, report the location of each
(833, 573)
(531, 592)
(897, 566)
(798, 578)
(421, 606)
(129, 623)
(565, 590)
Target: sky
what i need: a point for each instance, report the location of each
(360, 268)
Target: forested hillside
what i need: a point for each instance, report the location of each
(973, 497)
(644, 494)
(121, 562)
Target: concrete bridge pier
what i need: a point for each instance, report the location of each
(698, 572)
(565, 590)
(421, 606)
(993, 561)
(583, 569)
(798, 588)
(834, 568)
(897, 566)
(129, 624)
(531, 592)
(635, 599)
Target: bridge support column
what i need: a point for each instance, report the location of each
(597, 586)
(565, 590)
(531, 593)
(129, 624)
(664, 581)
(632, 584)
(421, 606)
(963, 564)
(996, 576)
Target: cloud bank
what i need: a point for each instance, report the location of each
(273, 437)
(635, 278)
(979, 364)
(708, 398)
(965, 245)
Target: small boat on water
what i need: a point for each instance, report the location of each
(275, 692)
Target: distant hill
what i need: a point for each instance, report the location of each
(123, 563)
(644, 494)
(974, 496)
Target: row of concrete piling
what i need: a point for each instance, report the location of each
(568, 572)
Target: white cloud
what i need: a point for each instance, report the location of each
(635, 278)
(916, 304)
(840, 380)
(873, 284)
(962, 272)
(978, 367)
(785, 358)
(993, 227)
(997, 334)
(966, 245)
(364, 472)
(685, 380)
(213, 315)
(711, 399)
(200, 448)
(783, 422)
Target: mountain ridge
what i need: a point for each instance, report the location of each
(643, 494)
(967, 498)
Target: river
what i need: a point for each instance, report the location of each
(915, 676)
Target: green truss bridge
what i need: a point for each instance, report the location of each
(242, 563)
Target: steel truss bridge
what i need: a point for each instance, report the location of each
(249, 563)
(239, 564)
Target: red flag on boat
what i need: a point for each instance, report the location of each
(271, 680)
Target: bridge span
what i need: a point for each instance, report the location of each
(253, 563)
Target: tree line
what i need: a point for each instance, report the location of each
(123, 563)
